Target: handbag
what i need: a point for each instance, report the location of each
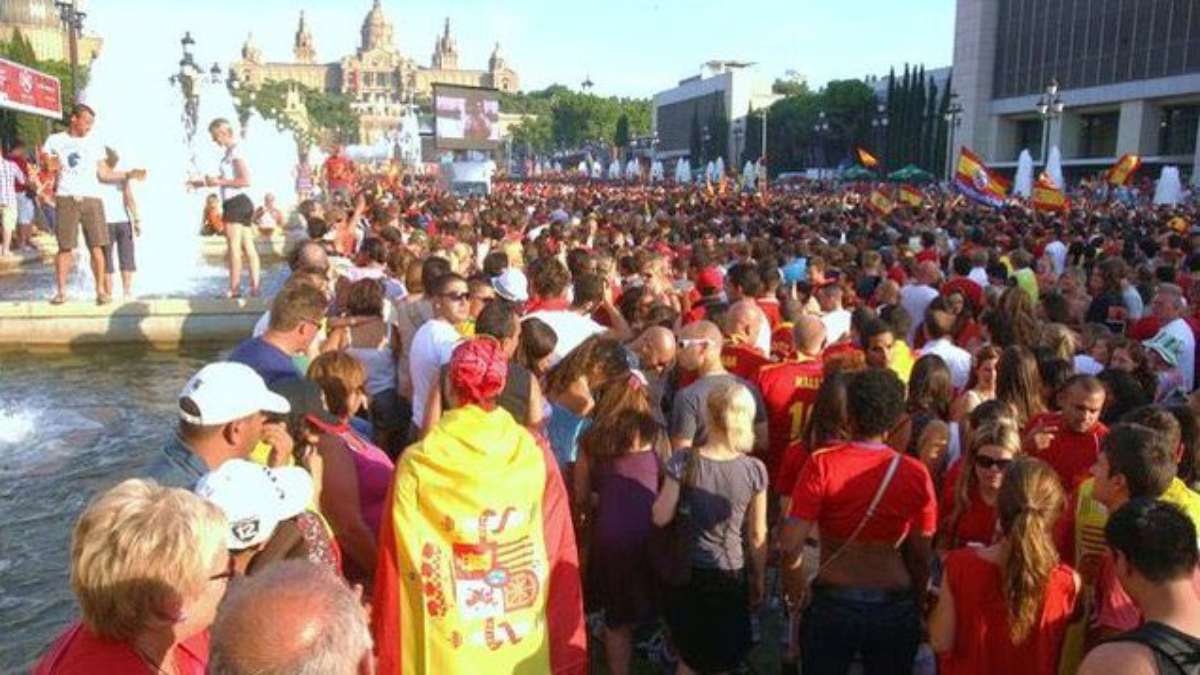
(670, 546)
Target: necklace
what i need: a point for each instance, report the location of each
(150, 662)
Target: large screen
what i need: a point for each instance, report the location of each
(466, 118)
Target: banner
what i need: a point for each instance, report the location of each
(867, 159)
(1123, 170)
(976, 181)
(30, 91)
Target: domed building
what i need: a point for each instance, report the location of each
(39, 22)
(379, 80)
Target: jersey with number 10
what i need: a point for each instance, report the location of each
(789, 390)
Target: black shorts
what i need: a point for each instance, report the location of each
(238, 209)
(120, 237)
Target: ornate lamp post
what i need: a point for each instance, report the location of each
(738, 134)
(72, 13)
(822, 130)
(953, 117)
(1049, 106)
(879, 122)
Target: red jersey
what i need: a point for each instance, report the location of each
(770, 307)
(837, 485)
(742, 359)
(793, 461)
(1071, 454)
(977, 524)
(338, 172)
(79, 651)
(981, 631)
(783, 341)
(789, 391)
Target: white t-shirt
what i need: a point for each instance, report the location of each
(1187, 353)
(79, 156)
(956, 358)
(837, 324)
(228, 172)
(431, 349)
(915, 300)
(1058, 253)
(113, 196)
(570, 327)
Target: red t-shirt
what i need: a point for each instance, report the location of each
(78, 651)
(1071, 454)
(783, 341)
(1144, 328)
(977, 524)
(795, 456)
(789, 391)
(837, 485)
(981, 627)
(337, 172)
(770, 307)
(742, 359)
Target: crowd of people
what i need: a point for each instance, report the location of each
(572, 416)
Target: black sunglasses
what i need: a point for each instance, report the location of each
(985, 462)
(456, 297)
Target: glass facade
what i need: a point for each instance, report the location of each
(1088, 43)
(1177, 130)
(675, 120)
(1098, 135)
(1029, 137)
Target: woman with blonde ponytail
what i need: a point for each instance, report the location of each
(1005, 608)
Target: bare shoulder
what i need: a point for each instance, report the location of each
(1127, 658)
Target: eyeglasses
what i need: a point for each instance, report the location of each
(985, 462)
(229, 573)
(456, 297)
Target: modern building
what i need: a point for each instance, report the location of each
(379, 80)
(723, 91)
(39, 22)
(1128, 76)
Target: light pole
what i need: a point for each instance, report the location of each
(1049, 106)
(879, 121)
(762, 157)
(704, 138)
(822, 129)
(953, 117)
(72, 13)
(738, 134)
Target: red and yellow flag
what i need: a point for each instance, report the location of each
(478, 570)
(867, 159)
(911, 195)
(1123, 170)
(880, 203)
(1047, 196)
(974, 179)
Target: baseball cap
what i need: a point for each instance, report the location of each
(512, 285)
(226, 391)
(255, 498)
(711, 277)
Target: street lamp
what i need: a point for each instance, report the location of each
(953, 117)
(738, 134)
(704, 138)
(72, 13)
(822, 129)
(1049, 106)
(879, 121)
(587, 83)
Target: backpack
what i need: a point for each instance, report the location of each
(1175, 653)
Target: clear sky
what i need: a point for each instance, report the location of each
(627, 47)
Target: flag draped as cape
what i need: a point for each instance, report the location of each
(478, 570)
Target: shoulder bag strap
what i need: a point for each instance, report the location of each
(883, 486)
(686, 480)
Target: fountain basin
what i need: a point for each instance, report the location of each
(270, 249)
(159, 323)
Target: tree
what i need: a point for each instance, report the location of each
(791, 84)
(621, 136)
(32, 129)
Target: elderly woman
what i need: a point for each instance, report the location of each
(148, 568)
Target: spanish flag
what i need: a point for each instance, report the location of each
(478, 570)
(1123, 170)
(867, 159)
(976, 181)
(1047, 196)
(880, 203)
(911, 195)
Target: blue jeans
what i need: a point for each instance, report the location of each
(885, 632)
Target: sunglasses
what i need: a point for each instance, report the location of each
(456, 297)
(684, 343)
(985, 462)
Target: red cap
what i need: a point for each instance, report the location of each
(711, 277)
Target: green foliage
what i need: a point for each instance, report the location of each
(792, 141)
(567, 119)
(621, 135)
(917, 130)
(329, 115)
(33, 129)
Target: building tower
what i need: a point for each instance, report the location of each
(304, 50)
(377, 30)
(445, 51)
(250, 51)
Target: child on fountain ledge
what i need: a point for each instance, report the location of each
(212, 223)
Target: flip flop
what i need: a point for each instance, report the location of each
(103, 299)
(58, 300)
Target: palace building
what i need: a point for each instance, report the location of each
(379, 80)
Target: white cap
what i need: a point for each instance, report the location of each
(226, 391)
(512, 285)
(255, 499)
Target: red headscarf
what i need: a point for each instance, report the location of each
(477, 372)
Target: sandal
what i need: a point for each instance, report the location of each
(103, 299)
(58, 299)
